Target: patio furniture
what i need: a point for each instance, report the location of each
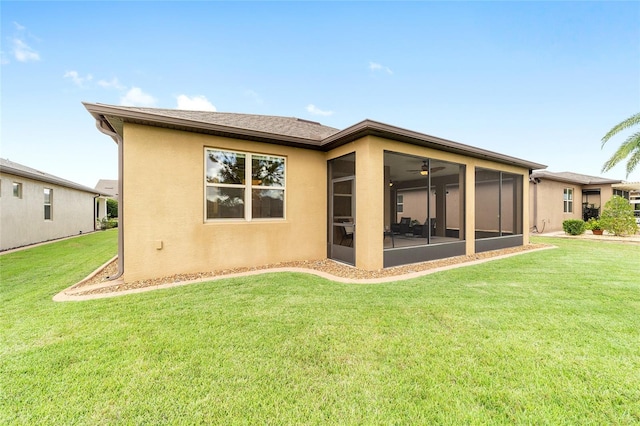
(347, 233)
(402, 228)
(421, 230)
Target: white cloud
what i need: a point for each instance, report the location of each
(195, 103)
(23, 52)
(317, 111)
(20, 50)
(114, 83)
(136, 97)
(374, 66)
(77, 79)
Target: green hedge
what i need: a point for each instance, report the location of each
(574, 226)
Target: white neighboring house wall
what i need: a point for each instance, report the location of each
(22, 219)
(109, 190)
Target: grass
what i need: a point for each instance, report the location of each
(550, 337)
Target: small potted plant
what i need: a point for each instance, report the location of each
(594, 225)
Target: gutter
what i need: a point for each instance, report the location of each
(104, 127)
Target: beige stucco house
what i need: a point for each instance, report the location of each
(37, 206)
(202, 191)
(556, 197)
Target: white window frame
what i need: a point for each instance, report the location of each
(399, 203)
(567, 197)
(247, 187)
(17, 185)
(50, 203)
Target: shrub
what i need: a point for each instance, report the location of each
(593, 224)
(106, 223)
(112, 208)
(617, 217)
(574, 226)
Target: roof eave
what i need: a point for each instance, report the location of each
(110, 114)
(375, 128)
(543, 174)
(114, 117)
(49, 179)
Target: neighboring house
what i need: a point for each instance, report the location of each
(631, 191)
(556, 197)
(36, 206)
(202, 191)
(108, 187)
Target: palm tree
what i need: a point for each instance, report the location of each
(629, 148)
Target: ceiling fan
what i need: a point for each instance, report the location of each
(424, 169)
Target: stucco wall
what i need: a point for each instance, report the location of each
(549, 204)
(163, 207)
(415, 205)
(163, 204)
(22, 219)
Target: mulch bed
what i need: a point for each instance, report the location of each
(325, 265)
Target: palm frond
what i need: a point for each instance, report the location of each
(631, 144)
(631, 121)
(633, 162)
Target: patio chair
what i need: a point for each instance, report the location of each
(423, 230)
(402, 228)
(347, 233)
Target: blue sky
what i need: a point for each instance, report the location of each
(542, 81)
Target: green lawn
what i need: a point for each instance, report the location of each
(550, 337)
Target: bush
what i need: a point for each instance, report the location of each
(106, 223)
(593, 224)
(617, 217)
(112, 208)
(574, 226)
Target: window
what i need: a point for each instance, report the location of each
(621, 193)
(243, 185)
(400, 203)
(568, 200)
(48, 200)
(17, 189)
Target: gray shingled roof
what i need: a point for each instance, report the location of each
(287, 126)
(289, 131)
(10, 167)
(572, 177)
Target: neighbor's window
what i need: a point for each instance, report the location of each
(48, 200)
(621, 193)
(400, 203)
(243, 185)
(568, 200)
(17, 189)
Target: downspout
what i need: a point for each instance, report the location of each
(534, 181)
(119, 141)
(96, 210)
